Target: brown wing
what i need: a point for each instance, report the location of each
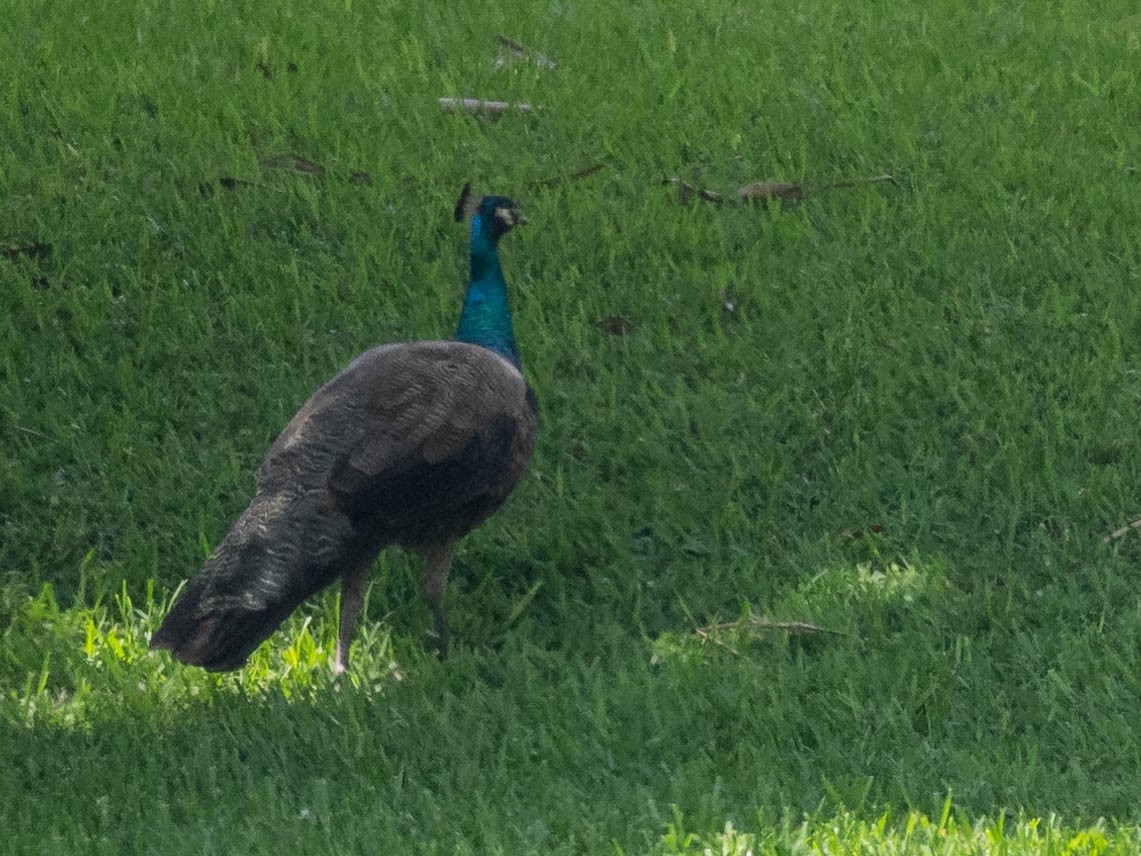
(416, 443)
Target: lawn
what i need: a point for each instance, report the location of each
(819, 549)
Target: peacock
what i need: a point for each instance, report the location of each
(412, 444)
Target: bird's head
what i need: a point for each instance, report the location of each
(492, 216)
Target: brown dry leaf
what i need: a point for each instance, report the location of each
(296, 163)
(614, 325)
(360, 177)
(762, 191)
(520, 52)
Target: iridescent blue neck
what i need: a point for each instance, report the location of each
(486, 316)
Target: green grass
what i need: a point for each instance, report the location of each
(914, 428)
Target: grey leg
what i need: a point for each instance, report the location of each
(352, 602)
(434, 583)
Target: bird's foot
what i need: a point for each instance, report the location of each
(341, 661)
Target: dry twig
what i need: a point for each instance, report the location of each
(762, 191)
(1121, 533)
(707, 637)
(686, 191)
(575, 176)
(479, 105)
(755, 624)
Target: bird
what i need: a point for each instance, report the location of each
(413, 444)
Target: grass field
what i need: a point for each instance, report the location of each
(906, 413)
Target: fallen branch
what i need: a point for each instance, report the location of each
(479, 105)
(1121, 533)
(576, 176)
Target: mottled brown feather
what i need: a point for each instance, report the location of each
(413, 444)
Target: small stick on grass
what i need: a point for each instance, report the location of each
(686, 191)
(1121, 533)
(479, 105)
(576, 176)
(32, 431)
(758, 623)
(706, 637)
(762, 191)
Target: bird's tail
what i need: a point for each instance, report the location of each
(260, 572)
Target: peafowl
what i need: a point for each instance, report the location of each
(412, 444)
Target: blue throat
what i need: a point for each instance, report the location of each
(486, 316)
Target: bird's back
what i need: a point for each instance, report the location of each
(411, 437)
